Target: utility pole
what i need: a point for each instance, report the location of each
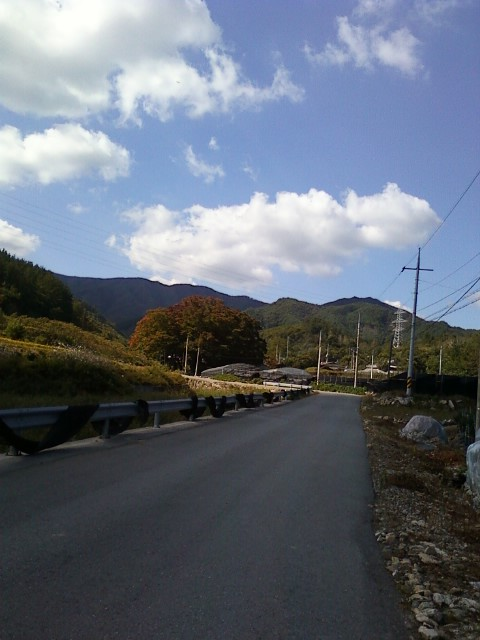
(198, 358)
(319, 356)
(356, 354)
(477, 418)
(186, 355)
(390, 358)
(412, 333)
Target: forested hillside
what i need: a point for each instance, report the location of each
(27, 289)
(124, 301)
(292, 330)
(55, 350)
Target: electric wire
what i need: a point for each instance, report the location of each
(447, 296)
(464, 193)
(449, 310)
(63, 232)
(452, 209)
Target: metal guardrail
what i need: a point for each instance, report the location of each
(18, 420)
(288, 385)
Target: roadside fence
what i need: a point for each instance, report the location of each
(60, 424)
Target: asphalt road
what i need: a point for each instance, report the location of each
(255, 526)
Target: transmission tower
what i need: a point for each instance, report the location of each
(398, 328)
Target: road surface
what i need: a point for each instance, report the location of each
(255, 526)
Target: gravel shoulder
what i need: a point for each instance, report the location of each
(424, 517)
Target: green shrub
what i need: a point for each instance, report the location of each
(15, 329)
(339, 388)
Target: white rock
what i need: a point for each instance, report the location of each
(473, 467)
(426, 632)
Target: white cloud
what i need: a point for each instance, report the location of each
(378, 8)
(84, 57)
(397, 304)
(434, 10)
(242, 245)
(250, 172)
(201, 169)
(16, 241)
(76, 208)
(381, 33)
(111, 241)
(213, 144)
(61, 153)
(367, 47)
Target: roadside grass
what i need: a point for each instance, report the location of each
(339, 388)
(42, 375)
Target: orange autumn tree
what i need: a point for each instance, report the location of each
(214, 333)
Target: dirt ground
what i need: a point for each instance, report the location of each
(425, 519)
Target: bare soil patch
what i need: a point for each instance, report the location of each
(425, 519)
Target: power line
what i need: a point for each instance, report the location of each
(466, 190)
(460, 198)
(62, 233)
(449, 310)
(447, 296)
(452, 274)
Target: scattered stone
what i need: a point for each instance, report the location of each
(427, 559)
(427, 632)
(428, 538)
(423, 428)
(406, 402)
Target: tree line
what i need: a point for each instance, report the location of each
(26, 289)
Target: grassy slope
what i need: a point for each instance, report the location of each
(55, 362)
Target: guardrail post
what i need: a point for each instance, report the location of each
(106, 429)
(156, 420)
(13, 451)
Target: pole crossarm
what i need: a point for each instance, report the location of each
(417, 269)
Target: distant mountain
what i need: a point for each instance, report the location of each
(339, 318)
(124, 301)
(342, 316)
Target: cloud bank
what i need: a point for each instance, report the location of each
(243, 245)
(58, 154)
(379, 33)
(80, 58)
(16, 241)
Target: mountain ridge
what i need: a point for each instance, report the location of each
(124, 301)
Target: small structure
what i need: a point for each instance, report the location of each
(289, 375)
(238, 369)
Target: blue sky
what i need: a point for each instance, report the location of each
(273, 148)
